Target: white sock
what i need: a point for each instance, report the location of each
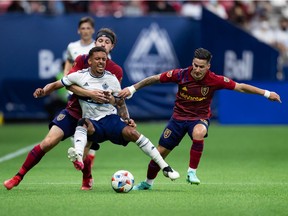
(149, 181)
(149, 149)
(80, 139)
(92, 152)
(191, 169)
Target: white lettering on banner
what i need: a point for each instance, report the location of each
(48, 67)
(143, 61)
(238, 69)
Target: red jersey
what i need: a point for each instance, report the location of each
(81, 62)
(194, 97)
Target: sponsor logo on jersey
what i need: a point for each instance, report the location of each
(86, 84)
(169, 73)
(191, 98)
(167, 133)
(226, 79)
(60, 117)
(204, 90)
(151, 54)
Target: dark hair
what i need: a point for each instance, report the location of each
(204, 54)
(107, 33)
(96, 49)
(86, 20)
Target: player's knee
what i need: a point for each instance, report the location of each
(130, 133)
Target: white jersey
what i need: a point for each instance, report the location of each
(85, 79)
(75, 49)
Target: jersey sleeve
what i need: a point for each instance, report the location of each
(78, 64)
(170, 76)
(225, 83)
(70, 79)
(118, 72)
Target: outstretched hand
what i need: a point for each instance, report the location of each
(124, 93)
(274, 97)
(39, 92)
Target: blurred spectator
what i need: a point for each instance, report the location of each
(281, 43)
(75, 6)
(55, 7)
(238, 15)
(160, 6)
(16, 6)
(135, 8)
(4, 6)
(263, 30)
(192, 8)
(215, 7)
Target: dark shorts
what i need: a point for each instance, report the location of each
(65, 122)
(175, 130)
(109, 128)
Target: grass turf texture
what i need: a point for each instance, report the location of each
(243, 171)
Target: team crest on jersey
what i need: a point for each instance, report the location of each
(204, 90)
(226, 79)
(105, 85)
(167, 133)
(60, 117)
(184, 88)
(169, 73)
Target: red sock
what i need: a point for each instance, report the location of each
(33, 157)
(196, 153)
(153, 170)
(87, 167)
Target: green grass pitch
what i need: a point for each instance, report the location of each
(243, 171)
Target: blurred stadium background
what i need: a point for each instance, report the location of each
(153, 36)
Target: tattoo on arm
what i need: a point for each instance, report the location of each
(148, 81)
(122, 108)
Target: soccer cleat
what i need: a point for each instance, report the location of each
(75, 158)
(170, 173)
(13, 182)
(87, 184)
(142, 186)
(192, 178)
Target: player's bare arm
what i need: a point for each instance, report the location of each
(48, 89)
(129, 91)
(123, 112)
(249, 89)
(67, 67)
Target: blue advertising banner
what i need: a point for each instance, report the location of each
(35, 49)
(236, 54)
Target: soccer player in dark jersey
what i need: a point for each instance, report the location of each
(192, 113)
(64, 124)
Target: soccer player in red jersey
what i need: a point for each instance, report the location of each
(64, 124)
(192, 113)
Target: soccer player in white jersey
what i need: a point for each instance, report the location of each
(82, 46)
(103, 119)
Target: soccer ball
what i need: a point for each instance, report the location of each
(122, 181)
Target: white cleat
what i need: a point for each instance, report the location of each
(170, 173)
(75, 158)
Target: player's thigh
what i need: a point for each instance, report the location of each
(54, 136)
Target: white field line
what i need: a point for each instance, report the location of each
(16, 153)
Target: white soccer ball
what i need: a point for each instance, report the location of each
(122, 181)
